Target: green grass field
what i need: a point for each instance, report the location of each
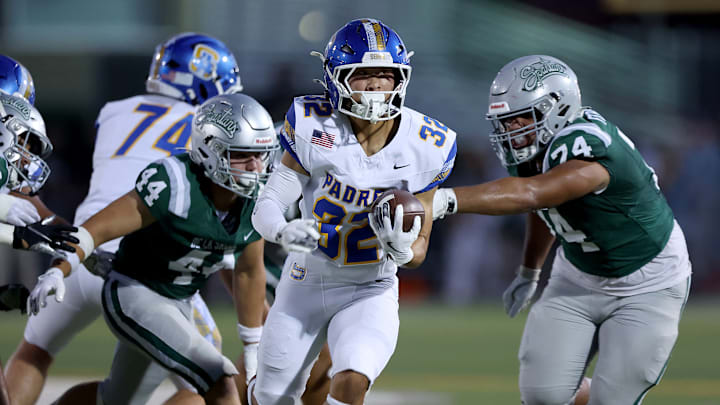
(467, 355)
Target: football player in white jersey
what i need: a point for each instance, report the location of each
(341, 151)
(186, 70)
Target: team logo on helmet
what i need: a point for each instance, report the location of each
(17, 104)
(204, 62)
(535, 73)
(221, 119)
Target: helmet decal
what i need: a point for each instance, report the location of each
(535, 73)
(222, 119)
(193, 67)
(16, 104)
(204, 62)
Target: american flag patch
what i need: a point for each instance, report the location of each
(323, 139)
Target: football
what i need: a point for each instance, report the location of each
(412, 207)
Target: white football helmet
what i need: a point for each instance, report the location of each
(233, 123)
(539, 87)
(29, 146)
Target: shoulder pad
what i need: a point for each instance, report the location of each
(164, 187)
(578, 141)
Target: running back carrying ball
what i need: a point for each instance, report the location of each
(412, 207)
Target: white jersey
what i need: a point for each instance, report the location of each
(131, 134)
(344, 181)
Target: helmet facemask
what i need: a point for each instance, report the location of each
(374, 106)
(245, 183)
(23, 157)
(522, 144)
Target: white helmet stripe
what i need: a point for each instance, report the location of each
(375, 36)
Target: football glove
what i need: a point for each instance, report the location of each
(17, 211)
(13, 296)
(444, 203)
(396, 243)
(45, 238)
(299, 235)
(52, 282)
(518, 295)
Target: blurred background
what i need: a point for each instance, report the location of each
(650, 66)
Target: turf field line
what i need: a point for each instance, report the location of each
(687, 388)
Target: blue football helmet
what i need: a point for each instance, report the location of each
(365, 43)
(15, 79)
(193, 67)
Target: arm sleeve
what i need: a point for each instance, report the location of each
(282, 189)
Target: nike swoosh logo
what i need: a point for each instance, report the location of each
(248, 235)
(400, 167)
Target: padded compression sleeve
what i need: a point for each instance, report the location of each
(282, 189)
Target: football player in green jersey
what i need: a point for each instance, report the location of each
(184, 215)
(23, 147)
(621, 276)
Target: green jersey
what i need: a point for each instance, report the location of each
(615, 231)
(4, 172)
(175, 255)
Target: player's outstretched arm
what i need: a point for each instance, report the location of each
(282, 189)
(515, 195)
(125, 215)
(249, 297)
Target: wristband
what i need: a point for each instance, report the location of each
(249, 335)
(529, 273)
(452, 205)
(87, 243)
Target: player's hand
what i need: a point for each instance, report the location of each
(396, 243)
(43, 237)
(299, 235)
(49, 283)
(518, 295)
(444, 203)
(20, 212)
